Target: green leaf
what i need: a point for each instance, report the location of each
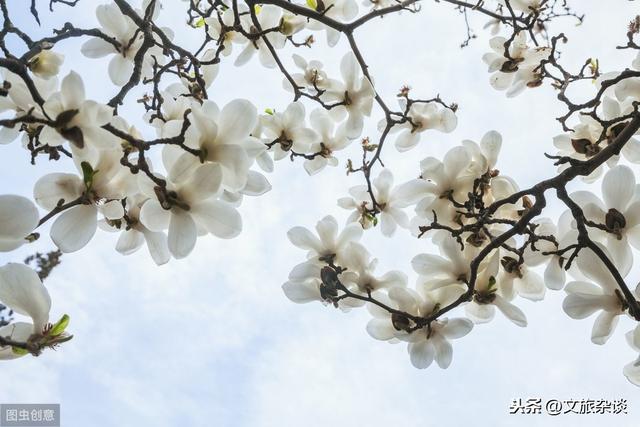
(60, 326)
(269, 111)
(199, 23)
(19, 351)
(313, 4)
(87, 174)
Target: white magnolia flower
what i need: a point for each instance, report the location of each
(391, 200)
(312, 76)
(554, 273)
(226, 18)
(79, 120)
(223, 137)
(356, 93)
(600, 294)
(432, 341)
(133, 234)
(328, 242)
(19, 101)
(339, 10)
(269, 17)
(632, 370)
(452, 268)
(307, 284)
(363, 267)
(18, 218)
(585, 142)
(189, 206)
(619, 213)
(174, 105)
(22, 291)
(484, 156)
(521, 279)
(290, 130)
(447, 179)
(46, 64)
(423, 116)
(100, 189)
(129, 39)
(514, 74)
(489, 294)
(331, 140)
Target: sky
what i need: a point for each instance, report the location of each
(212, 340)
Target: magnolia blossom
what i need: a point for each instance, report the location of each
(133, 234)
(390, 200)
(600, 294)
(190, 206)
(427, 343)
(363, 266)
(331, 140)
(18, 218)
(100, 189)
(226, 18)
(311, 77)
(22, 290)
(129, 40)
(356, 94)
(585, 142)
(46, 64)
(554, 273)
(269, 17)
(447, 179)
(450, 268)
(339, 10)
(619, 213)
(328, 242)
(489, 293)
(19, 101)
(422, 117)
(223, 137)
(78, 120)
(289, 130)
(518, 71)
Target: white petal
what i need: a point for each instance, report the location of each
(112, 209)
(129, 241)
(153, 216)
(618, 187)
(512, 312)
(182, 235)
(480, 313)
(18, 217)
(421, 354)
(603, 327)
(457, 328)
(22, 290)
(72, 90)
(219, 218)
(158, 246)
(74, 228)
(302, 292)
(444, 351)
(120, 70)
(381, 329)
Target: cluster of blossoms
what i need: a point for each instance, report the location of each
(493, 246)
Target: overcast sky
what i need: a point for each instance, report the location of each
(212, 341)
